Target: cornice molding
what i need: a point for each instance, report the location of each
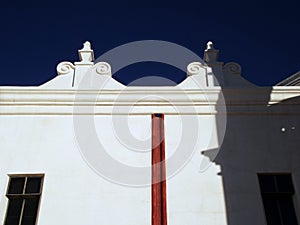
(141, 101)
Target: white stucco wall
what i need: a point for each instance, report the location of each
(46, 130)
(74, 194)
(37, 136)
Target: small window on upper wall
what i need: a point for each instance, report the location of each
(23, 193)
(277, 191)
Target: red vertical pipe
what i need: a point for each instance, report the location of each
(159, 201)
(156, 158)
(163, 171)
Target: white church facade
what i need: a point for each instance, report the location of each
(84, 149)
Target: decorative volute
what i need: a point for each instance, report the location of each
(86, 55)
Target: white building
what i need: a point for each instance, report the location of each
(77, 150)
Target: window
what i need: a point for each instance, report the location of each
(277, 191)
(23, 193)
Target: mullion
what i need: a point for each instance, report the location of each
(279, 211)
(23, 203)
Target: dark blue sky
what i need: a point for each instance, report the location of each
(261, 36)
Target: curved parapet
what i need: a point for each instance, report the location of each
(83, 74)
(232, 73)
(208, 73)
(64, 78)
(98, 76)
(197, 76)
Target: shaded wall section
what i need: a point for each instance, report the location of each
(259, 138)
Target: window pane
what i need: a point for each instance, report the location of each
(287, 210)
(33, 185)
(13, 212)
(30, 210)
(16, 185)
(267, 183)
(272, 211)
(12, 220)
(31, 205)
(28, 221)
(284, 183)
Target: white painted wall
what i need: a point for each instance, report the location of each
(74, 194)
(39, 134)
(38, 138)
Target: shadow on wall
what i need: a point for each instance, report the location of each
(258, 139)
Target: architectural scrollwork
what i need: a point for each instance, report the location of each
(65, 68)
(103, 68)
(194, 68)
(233, 68)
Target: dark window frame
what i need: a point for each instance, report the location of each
(277, 192)
(24, 196)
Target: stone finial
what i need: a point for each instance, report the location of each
(86, 54)
(211, 54)
(209, 45)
